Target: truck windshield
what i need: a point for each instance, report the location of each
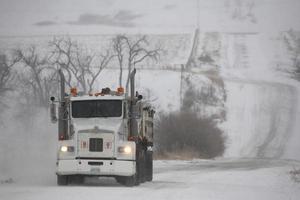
(97, 108)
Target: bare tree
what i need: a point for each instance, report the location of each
(6, 74)
(242, 10)
(79, 65)
(292, 41)
(61, 55)
(132, 50)
(38, 76)
(119, 50)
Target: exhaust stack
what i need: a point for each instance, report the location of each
(63, 114)
(133, 129)
(132, 85)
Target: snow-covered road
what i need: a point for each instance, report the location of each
(197, 179)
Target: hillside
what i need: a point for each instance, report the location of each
(261, 100)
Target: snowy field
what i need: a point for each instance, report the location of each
(197, 179)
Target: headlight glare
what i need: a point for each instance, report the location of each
(125, 150)
(67, 149)
(64, 148)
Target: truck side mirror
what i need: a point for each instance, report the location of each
(53, 110)
(140, 97)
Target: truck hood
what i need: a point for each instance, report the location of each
(103, 125)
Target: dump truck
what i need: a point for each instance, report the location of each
(108, 133)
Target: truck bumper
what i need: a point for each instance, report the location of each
(96, 167)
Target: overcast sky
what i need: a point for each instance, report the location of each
(92, 16)
(35, 17)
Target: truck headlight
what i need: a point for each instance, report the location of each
(125, 150)
(67, 149)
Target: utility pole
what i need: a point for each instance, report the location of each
(198, 17)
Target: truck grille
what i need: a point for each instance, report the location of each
(96, 145)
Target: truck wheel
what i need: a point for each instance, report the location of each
(149, 163)
(128, 181)
(149, 166)
(76, 179)
(62, 180)
(120, 179)
(131, 181)
(143, 166)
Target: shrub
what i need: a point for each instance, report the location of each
(185, 132)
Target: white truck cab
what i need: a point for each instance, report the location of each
(105, 134)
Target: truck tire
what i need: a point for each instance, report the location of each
(149, 166)
(120, 179)
(76, 179)
(128, 181)
(62, 180)
(131, 181)
(143, 166)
